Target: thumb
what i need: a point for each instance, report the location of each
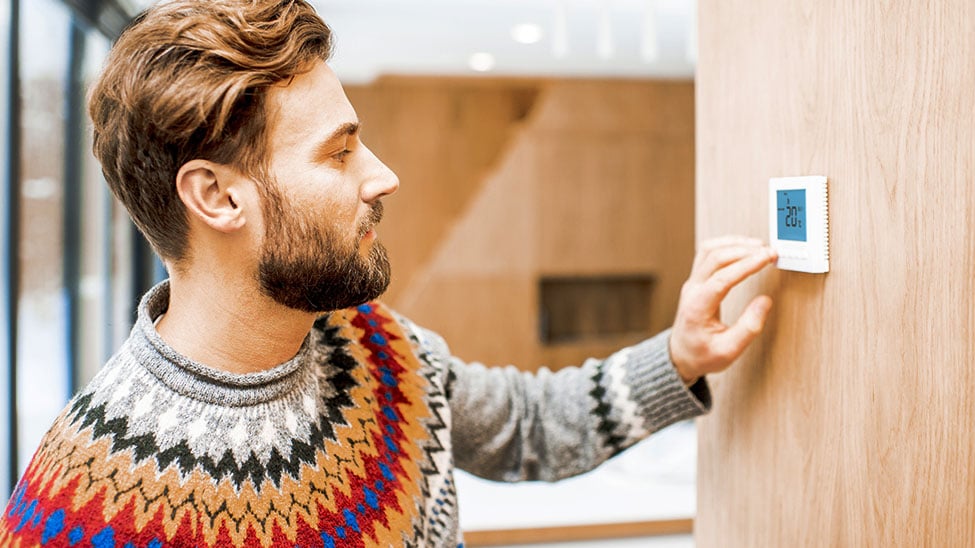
(737, 337)
(753, 318)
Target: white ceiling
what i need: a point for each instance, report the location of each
(601, 38)
(439, 36)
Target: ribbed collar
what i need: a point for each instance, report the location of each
(202, 382)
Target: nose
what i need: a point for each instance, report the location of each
(380, 180)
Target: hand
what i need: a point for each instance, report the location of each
(699, 342)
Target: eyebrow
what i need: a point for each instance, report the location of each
(344, 130)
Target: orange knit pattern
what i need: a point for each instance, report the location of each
(363, 486)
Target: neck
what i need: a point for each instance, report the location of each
(228, 324)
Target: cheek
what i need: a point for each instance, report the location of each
(345, 214)
(330, 204)
(337, 221)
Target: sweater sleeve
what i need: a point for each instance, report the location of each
(510, 425)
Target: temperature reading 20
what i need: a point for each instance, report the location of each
(791, 208)
(792, 216)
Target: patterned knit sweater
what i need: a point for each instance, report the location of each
(350, 443)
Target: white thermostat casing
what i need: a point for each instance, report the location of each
(799, 223)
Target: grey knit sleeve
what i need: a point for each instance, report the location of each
(510, 425)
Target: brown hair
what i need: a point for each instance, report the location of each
(188, 79)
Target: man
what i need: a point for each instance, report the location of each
(262, 398)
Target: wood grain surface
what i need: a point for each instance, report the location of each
(851, 421)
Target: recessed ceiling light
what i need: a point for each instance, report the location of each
(527, 33)
(481, 61)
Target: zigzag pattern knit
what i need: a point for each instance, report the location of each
(350, 443)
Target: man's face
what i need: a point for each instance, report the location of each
(322, 203)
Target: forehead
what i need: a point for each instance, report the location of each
(307, 109)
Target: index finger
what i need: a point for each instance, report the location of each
(720, 283)
(728, 240)
(708, 262)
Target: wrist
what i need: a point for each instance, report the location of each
(689, 379)
(685, 373)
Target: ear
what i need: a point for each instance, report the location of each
(211, 193)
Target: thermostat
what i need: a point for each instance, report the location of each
(799, 222)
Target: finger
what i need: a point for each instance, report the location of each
(723, 241)
(733, 341)
(720, 283)
(709, 246)
(710, 262)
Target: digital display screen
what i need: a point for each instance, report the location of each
(791, 205)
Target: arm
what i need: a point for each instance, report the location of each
(510, 425)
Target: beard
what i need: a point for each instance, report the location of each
(308, 267)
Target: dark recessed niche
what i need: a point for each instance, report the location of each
(581, 308)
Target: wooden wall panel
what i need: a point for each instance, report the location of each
(850, 422)
(504, 181)
(478, 289)
(618, 205)
(478, 316)
(442, 137)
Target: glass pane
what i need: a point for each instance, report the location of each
(96, 244)
(42, 377)
(123, 275)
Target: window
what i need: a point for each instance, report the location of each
(43, 379)
(71, 263)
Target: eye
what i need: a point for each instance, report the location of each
(340, 156)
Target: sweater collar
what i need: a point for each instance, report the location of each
(202, 382)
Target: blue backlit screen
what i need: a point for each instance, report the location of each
(791, 205)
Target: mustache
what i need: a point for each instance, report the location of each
(372, 219)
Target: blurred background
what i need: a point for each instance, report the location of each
(546, 214)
